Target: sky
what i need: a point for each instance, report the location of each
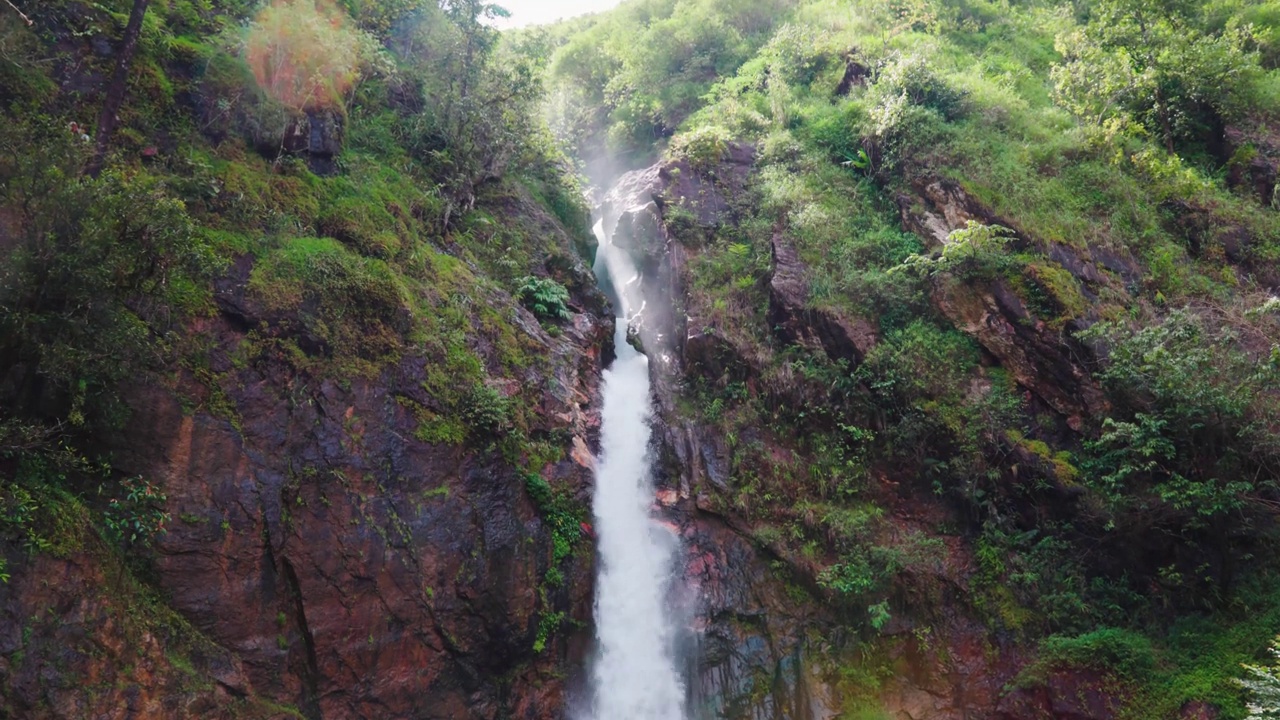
(533, 12)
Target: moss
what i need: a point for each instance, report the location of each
(256, 195)
(1062, 288)
(375, 209)
(1057, 462)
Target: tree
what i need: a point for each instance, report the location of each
(1145, 65)
(480, 94)
(114, 99)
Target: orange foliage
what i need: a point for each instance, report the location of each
(303, 53)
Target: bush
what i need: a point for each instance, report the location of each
(910, 77)
(96, 276)
(1133, 68)
(975, 250)
(1188, 441)
(486, 410)
(703, 148)
(906, 111)
(1122, 652)
(136, 514)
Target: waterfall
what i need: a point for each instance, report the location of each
(635, 673)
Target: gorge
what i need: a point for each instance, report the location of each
(694, 360)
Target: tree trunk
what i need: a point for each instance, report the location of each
(110, 116)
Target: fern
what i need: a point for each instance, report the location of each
(1264, 688)
(546, 298)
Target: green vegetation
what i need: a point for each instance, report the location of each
(546, 298)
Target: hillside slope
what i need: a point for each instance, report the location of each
(972, 402)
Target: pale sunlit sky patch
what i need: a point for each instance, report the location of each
(536, 12)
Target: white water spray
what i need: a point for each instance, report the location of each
(635, 675)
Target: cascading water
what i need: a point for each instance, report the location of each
(634, 675)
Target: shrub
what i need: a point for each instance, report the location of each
(702, 148)
(1189, 427)
(910, 77)
(974, 250)
(1123, 652)
(303, 54)
(136, 514)
(486, 410)
(1263, 686)
(562, 517)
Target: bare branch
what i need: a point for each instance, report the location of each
(21, 14)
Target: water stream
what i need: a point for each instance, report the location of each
(635, 674)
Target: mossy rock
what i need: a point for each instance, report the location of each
(362, 226)
(339, 304)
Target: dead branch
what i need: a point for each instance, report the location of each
(21, 14)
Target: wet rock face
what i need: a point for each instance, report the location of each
(356, 570)
(752, 660)
(334, 562)
(71, 648)
(749, 656)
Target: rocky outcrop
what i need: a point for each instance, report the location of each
(795, 322)
(1047, 361)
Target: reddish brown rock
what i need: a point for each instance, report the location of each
(1065, 695)
(77, 641)
(325, 557)
(357, 571)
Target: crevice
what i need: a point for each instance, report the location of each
(310, 675)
